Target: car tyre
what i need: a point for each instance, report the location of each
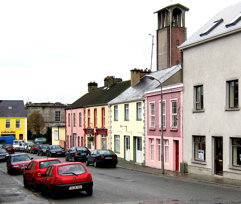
(9, 171)
(86, 162)
(114, 165)
(95, 164)
(25, 183)
(89, 191)
(35, 186)
(66, 158)
(54, 194)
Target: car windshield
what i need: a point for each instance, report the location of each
(81, 149)
(45, 164)
(55, 147)
(20, 158)
(105, 152)
(3, 151)
(72, 169)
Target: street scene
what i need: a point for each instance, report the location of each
(124, 184)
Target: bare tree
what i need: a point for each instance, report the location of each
(36, 122)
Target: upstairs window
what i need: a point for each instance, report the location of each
(88, 122)
(57, 116)
(232, 94)
(103, 117)
(95, 117)
(126, 111)
(74, 118)
(17, 123)
(174, 114)
(7, 124)
(115, 113)
(80, 119)
(138, 111)
(152, 115)
(163, 116)
(234, 21)
(198, 94)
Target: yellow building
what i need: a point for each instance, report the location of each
(58, 135)
(13, 119)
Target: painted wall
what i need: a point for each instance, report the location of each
(173, 146)
(60, 140)
(212, 64)
(19, 133)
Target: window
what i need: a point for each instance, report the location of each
(139, 144)
(95, 117)
(199, 148)
(232, 89)
(103, 117)
(163, 118)
(210, 28)
(138, 111)
(69, 119)
(236, 151)
(126, 111)
(17, 123)
(74, 118)
(103, 138)
(152, 115)
(166, 146)
(115, 113)
(152, 148)
(198, 92)
(117, 143)
(57, 116)
(80, 119)
(88, 122)
(234, 21)
(56, 135)
(174, 114)
(159, 149)
(8, 124)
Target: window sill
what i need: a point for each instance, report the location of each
(238, 168)
(174, 130)
(199, 162)
(152, 129)
(198, 111)
(232, 109)
(164, 129)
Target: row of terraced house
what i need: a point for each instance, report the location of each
(191, 101)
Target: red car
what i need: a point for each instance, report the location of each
(9, 148)
(16, 163)
(34, 149)
(67, 177)
(32, 174)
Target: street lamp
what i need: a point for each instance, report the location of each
(162, 141)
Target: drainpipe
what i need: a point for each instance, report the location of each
(170, 62)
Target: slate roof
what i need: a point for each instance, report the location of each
(227, 15)
(137, 91)
(173, 5)
(12, 109)
(101, 96)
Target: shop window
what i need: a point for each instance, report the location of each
(199, 148)
(236, 151)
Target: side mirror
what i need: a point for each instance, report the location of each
(43, 175)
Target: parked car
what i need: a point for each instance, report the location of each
(54, 150)
(77, 154)
(34, 149)
(24, 145)
(32, 174)
(42, 149)
(1, 146)
(67, 177)
(16, 163)
(102, 157)
(3, 155)
(17, 144)
(9, 148)
(29, 146)
(40, 140)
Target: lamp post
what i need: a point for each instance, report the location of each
(162, 141)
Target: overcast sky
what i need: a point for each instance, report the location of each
(51, 49)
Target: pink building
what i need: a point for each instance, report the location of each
(172, 127)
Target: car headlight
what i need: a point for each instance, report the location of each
(53, 152)
(15, 166)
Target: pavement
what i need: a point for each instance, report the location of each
(13, 191)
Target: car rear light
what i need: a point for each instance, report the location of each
(38, 174)
(114, 157)
(76, 153)
(58, 180)
(89, 177)
(101, 157)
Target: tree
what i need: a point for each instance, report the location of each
(36, 122)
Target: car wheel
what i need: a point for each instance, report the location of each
(54, 194)
(73, 160)
(9, 171)
(66, 158)
(38, 153)
(114, 165)
(87, 163)
(95, 164)
(35, 186)
(89, 191)
(25, 183)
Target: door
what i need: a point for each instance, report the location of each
(176, 145)
(218, 153)
(127, 148)
(138, 150)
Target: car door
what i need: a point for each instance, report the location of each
(47, 179)
(27, 171)
(92, 156)
(71, 152)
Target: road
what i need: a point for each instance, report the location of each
(118, 185)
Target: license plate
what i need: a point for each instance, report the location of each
(2, 157)
(58, 152)
(83, 153)
(108, 158)
(75, 187)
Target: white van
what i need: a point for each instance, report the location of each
(17, 144)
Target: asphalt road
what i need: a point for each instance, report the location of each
(117, 185)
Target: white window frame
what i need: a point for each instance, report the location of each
(163, 118)
(174, 114)
(166, 149)
(8, 124)
(126, 107)
(56, 135)
(18, 123)
(152, 115)
(117, 143)
(116, 113)
(152, 149)
(139, 111)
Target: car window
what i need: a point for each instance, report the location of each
(49, 171)
(72, 169)
(46, 164)
(3, 151)
(20, 158)
(81, 149)
(33, 166)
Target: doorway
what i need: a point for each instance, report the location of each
(127, 148)
(176, 146)
(218, 156)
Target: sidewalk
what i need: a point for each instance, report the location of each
(211, 180)
(12, 191)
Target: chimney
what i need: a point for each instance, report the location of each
(110, 81)
(137, 74)
(92, 86)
